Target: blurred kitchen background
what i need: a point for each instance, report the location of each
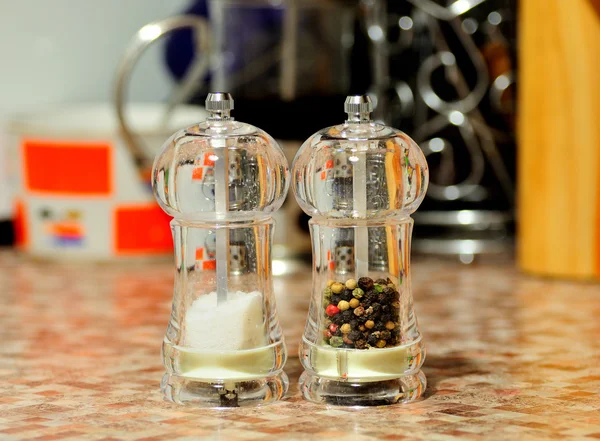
(89, 91)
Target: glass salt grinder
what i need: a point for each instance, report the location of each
(221, 180)
(360, 181)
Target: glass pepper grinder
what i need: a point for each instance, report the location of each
(360, 181)
(221, 180)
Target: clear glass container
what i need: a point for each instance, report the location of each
(221, 180)
(360, 181)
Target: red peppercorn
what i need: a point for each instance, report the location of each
(333, 327)
(326, 333)
(332, 310)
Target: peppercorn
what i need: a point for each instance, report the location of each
(376, 311)
(370, 297)
(360, 344)
(369, 324)
(396, 305)
(347, 316)
(346, 294)
(381, 282)
(332, 310)
(327, 334)
(354, 335)
(335, 299)
(379, 326)
(337, 319)
(358, 293)
(386, 317)
(337, 333)
(354, 323)
(336, 342)
(345, 328)
(343, 305)
(359, 311)
(378, 288)
(351, 284)
(347, 340)
(390, 325)
(337, 287)
(365, 283)
(380, 343)
(362, 328)
(354, 303)
(372, 340)
(369, 310)
(333, 327)
(327, 292)
(390, 294)
(386, 335)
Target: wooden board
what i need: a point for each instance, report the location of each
(559, 138)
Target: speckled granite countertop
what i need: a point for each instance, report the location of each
(509, 357)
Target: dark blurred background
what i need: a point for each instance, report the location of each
(445, 72)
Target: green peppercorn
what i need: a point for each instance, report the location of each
(336, 342)
(327, 293)
(358, 293)
(378, 287)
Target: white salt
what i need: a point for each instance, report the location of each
(235, 324)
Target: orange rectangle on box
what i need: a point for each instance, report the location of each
(197, 174)
(199, 253)
(20, 224)
(209, 265)
(142, 229)
(67, 167)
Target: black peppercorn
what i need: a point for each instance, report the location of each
(337, 333)
(386, 335)
(390, 294)
(337, 319)
(365, 283)
(379, 326)
(354, 324)
(370, 297)
(347, 316)
(354, 335)
(372, 340)
(336, 298)
(346, 295)
(381, 281)
(376, 310)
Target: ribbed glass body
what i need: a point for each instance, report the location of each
(222, 180)
(360, 181)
